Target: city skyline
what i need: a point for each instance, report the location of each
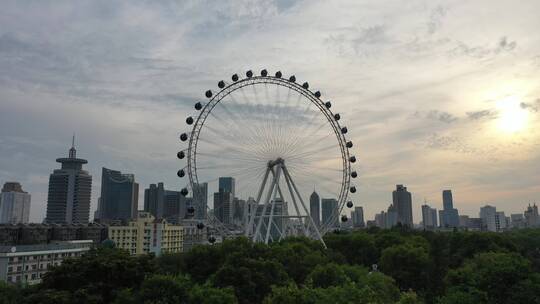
(436, 102)
(228, 183)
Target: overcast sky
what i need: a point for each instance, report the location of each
(436, 94)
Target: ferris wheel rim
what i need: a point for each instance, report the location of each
(228, 89)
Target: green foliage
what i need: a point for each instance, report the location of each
(99, 274)
(416, 267)
(409, 265)
(9, 294)
(498, 275)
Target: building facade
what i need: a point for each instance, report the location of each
(315, 208)
(358, 217)
(29, 234)
(429, 217)
(330, 216)
(402, 201)
(488, 215)
(223, 207)
(14, 204)
(147, 235)
(26, 264)
(227, 184)
(119, 196)
(200, 201)
(69, 194)
(449, 216)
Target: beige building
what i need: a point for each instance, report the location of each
(148, 235)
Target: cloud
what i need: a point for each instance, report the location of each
(482, 114)
(531, 107)
(481, 52)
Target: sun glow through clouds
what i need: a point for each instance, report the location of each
(511, 118)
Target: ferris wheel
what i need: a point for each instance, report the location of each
(260, 146)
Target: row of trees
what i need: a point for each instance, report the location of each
(412, 267)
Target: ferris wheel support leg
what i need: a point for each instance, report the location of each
(288, 176)
(273, 202)
(294, 200)
(249, 228)
(266, 203)
(282, 231)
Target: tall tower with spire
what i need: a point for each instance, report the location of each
(70, 188)
(315, 208)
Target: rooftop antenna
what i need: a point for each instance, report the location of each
(72, 151)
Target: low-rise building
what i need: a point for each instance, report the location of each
(32, 234)
(147, 234)
(26, 264)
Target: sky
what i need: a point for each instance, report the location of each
(436, 94)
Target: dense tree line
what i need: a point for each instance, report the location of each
(411, 267)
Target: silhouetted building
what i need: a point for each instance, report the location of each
(279, 223)
(165, 204)
(239, 208)
(200, 201)
(119, 196)
(14, 204)
(330, 212)
(429, 217)
(358, 217)
(488, 215)
(69, 191)
(315, 208)
(223, 206)
(45, 233)
(402, 201)
(227, 184)
(449, 216)
(531, 216)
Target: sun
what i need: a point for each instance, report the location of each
(512, 117)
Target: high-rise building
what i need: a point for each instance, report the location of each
(70, 188)
(358, 217)
(119, 196)
(165, 204)
(501, 222)
(429, 217)
(402, 201)
(488, 215)
(330, 211)
(154, 198)
(14, 204)
(227, 184)
(531, 216)
(449, 216)
(315, 208)
(239, 208)
(223, 206)
(175, 206)
(391, 216)
(200, 200)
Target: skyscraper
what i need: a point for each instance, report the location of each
(14, 204)
(223, 207)
(488, 215)
(70, 188)
(402, 201)
(315, 208)
(227, 184)
(358, 217)
(449, 216)
(200, 200)
(531, 216)
(154, 200)
(330, 212)
(429, 217)
(119, 196)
